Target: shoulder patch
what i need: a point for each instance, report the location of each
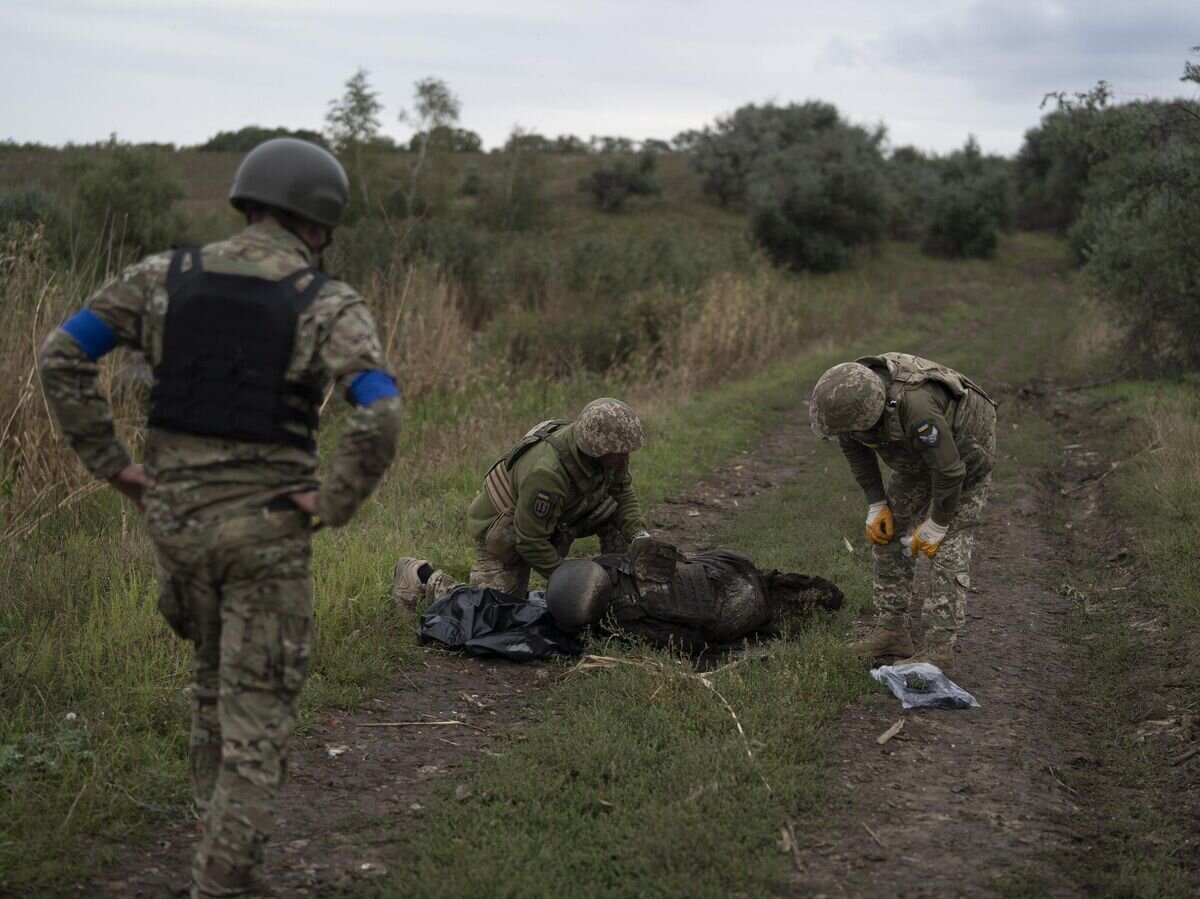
(543, 502)
(926, 433)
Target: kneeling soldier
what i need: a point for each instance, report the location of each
(562, 480)
(936, 430)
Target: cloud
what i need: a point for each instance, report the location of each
(932, 70)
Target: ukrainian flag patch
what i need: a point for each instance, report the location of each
(926, 433)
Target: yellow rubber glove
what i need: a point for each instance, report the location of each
(880, 527)
(926, 538)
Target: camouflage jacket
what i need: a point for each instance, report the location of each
(203, 480)
(549, 500)
(925, 429)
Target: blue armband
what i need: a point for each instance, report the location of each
(370, 386)
(93, 336)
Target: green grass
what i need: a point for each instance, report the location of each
(79, 634)
(1142, 834)
(635, 780)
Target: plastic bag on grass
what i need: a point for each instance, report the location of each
(919, 685)
(483, 621)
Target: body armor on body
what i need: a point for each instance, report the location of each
(709, 599)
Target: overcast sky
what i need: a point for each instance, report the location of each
(931, 70)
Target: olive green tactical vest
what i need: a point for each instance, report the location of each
(589, 497)
(974, 412)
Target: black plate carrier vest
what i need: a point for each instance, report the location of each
(227, 344)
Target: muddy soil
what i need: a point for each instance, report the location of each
(957, 797)
(958, 802)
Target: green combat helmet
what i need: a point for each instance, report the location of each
(848, 397)
(293, 175)
(608, 426)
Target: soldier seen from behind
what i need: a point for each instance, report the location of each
(563, 480)
(244, 336)
(936, 430)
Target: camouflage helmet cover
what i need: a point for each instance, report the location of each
(578, 593)
(608, 426)
(293, 175)
(848, 397)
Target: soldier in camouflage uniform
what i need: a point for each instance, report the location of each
(562, 480)
(244, 336)
(936, 430)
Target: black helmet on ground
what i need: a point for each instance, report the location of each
(578, 594)
(295, 176)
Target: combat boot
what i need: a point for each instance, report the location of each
(940, 654)
(408, 590)
(889, 637)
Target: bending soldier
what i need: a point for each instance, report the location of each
(936, 430)
(563, 480)
(656, 593)
(243, 337)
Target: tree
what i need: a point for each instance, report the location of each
(447, 139)
(434, 107)
(246, 139)
(353, 122)
(569, 143)
(125, 198)
(1135, 235)
(611, 184)
(811, 182)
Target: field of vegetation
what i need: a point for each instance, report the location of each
(706, 282)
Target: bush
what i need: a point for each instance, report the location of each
(812, 182)
(1135, 233)
(246, 139)
(26, 205)
(810, 207)
(960, 224)
(511, 200)
(125, 196)
(610, 185)
(968, 204)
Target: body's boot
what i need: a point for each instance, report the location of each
(889, 638)
(408, 588)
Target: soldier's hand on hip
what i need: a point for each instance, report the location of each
(133, 481)
(306, 501)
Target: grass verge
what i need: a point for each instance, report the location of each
(1132, 634)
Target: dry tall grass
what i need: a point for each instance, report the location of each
(38, 476)
(731, 327)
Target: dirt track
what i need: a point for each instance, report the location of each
(955, 799)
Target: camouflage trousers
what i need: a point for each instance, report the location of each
(944, 608)
(241, 592)
(512, 577)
